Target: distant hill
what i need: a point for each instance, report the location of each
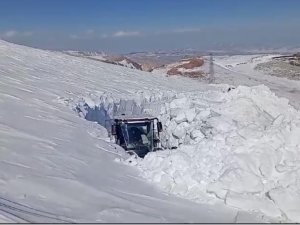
(103, 57)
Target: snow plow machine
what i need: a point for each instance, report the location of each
(137, 135)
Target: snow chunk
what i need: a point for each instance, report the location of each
(197, 134)
(253, 202)
(288, 200)
(180, 103)
(181, 117)
(240, 146)
(239, 181)
(180, 130)
(190, 115)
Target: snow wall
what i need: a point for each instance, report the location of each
(241, 146)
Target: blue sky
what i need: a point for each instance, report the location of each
(138, 25)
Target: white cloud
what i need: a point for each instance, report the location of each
(177, 30)
(74, 36)
(186, 30)
(14, 33)
(90, 32)
(126, 34)
(10, 33)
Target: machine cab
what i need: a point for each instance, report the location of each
(137, 135)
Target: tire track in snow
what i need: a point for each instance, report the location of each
(11, 214)
(21, 211)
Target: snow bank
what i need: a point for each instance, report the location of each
(240, 146)
(55, 167)
(103, 109)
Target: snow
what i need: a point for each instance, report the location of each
(196, 69)
(58, 167)
(240, 60)
(231, 155)
(92, 55)
(5, 219)
(239, 70)
(125, 63)
(288, 199)
(99, 57)
(231, 152)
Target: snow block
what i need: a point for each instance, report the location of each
(181, 117)
(180, 131)
(253, 203)
(288, 200)
(190, 115)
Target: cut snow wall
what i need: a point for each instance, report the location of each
(176, 112)
(104, 108)
(241, 146)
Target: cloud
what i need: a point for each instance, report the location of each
(126, 34)
(74, 36)
(186, 30)
(10, 33)
(14, 33)
(90, 32)
(104, 35)
(177, 31)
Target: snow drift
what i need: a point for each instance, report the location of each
(57, 167)
(241, 146)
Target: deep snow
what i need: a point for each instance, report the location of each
(238, 147)
(58, 167)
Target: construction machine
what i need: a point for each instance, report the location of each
(138, 135)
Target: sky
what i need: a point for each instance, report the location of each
(122, 26)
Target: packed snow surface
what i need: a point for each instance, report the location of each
(239, 146)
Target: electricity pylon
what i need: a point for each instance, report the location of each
(211, 69)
